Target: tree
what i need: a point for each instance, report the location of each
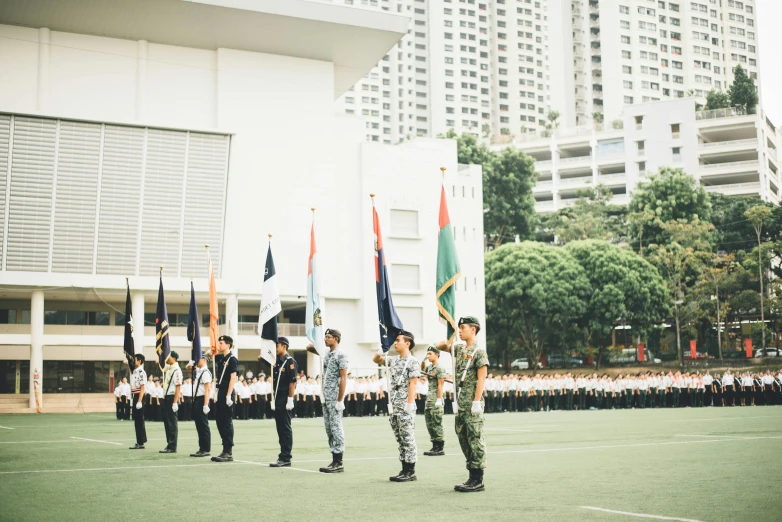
(717, 100)
(598, 117)
(553, 118)
(591, 217)
(626, 290)
(680, 261)
(756, 215)
(486, 130)
(533, 293)
(670, 195)
(713, 277)
(743, 93)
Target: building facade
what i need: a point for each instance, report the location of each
(128, 151)
(727, 151)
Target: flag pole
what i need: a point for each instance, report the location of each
(271, 367)
(389, 408)
(158, 360)
(214, 369)
(453, 355)
(320, 356)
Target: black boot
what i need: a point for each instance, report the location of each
(327, 468)
(396, 477)
(475, 484)
(460, 487)
(409, 475)
(437, 450)
(431, 451)
(335, 466)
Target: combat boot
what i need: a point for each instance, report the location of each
(335, 466)
(438, 449)
(328, 468)
(395, 478)
(475, 484)
(409, 475)
(431, 451)
(460, 487)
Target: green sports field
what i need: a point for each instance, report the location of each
(706, 464)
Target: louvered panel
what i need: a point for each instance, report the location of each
(163, 186)
(5, 136)
(76, 195)
(32, 174)
(205, 199)
(120, 199)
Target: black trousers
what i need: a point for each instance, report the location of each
(138, 421)
(225, 423)
(201, 420)
(170, 422)
(282, 418)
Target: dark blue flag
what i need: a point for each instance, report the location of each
(162, 342)
(193, 328)
(390, 324)
(130, 347)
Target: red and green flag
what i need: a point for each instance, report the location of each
(447, 270)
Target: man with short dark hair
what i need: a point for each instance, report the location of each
(227, 368)
(284, 375)
(172, 386)
(138, 380)
(200, 406)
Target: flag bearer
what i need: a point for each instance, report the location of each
(472, 364)
(227, 368)
(172, 386)
(200, 410)
(138, 380)
(433, 410)
(335, 370)
(284, 374)
(403, 377)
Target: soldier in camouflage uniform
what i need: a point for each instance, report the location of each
(335, 368)
(472, 365)
(433, 410)
(403, 377)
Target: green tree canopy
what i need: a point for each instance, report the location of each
(717, 100)
(533, 293)
(669, 195)
(743, 92)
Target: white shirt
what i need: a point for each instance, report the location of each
(124, 389)
(203, 375)
(727, 380)
(174, 375)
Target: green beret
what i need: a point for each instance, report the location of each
(432, 348)
(469, 319)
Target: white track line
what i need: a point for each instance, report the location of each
(715, 436)
(37, 441)
(641, 515)
(100, 469)
(101, 441)
(266, 464)
(7, 428)
(697, 419)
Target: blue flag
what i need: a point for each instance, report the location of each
(129, 345)
(162, 342)
(390, 324)
(193, 328)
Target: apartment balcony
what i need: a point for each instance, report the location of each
(543, 187)
(721, 147)
(543, 166)
(284, 329)
(544, 206)
(730, 112)
(729, 168)
(736, 189)
(612, 180)
(575, 164)
(573, 184)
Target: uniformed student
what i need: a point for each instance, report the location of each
(403, 377)
(172, 386)
(202, 389)
(117, 402)
(149, 392)
(433, 409)
(335, 369)
(471, 368)
(284, 378)
(227, 368)
(124, 390)
(138, 382)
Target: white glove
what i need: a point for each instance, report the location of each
(289, 404)
(340, 406)
(390, 408)
(272, 405)
(175, 407)
(139, 405)
(228, 401)
(477, 407)
(410, 407)
(438, 403)
(455, 407)
(206, 410)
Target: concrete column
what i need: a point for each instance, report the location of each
(138, 322)
(44, 54)
(36, 347)
(141, 79)
(232, 319)
(555, 174)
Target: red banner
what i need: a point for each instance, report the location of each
(640, 352)
(748, 347)
(693, 353)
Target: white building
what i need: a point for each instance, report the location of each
(728, 152)
(499, 67)
(132, 132)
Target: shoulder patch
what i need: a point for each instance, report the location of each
(290, 367)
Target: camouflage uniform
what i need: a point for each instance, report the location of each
(434, 414)
(469, 426)
(333, 362)
(403, 424)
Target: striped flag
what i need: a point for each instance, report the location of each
(270, 307)
(389, 322)
(314, 316)
(447, 270)
(214, 311)
(193, 327)
(162, 342)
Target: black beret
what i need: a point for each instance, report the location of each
(283, 340)
(174, 355)
(469, 319)
(334, 333)
(227, 338)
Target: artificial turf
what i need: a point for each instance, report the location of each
(707, 464)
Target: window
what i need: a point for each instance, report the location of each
(405, 277)
(404, 223)
(411, 317)
(624, 9)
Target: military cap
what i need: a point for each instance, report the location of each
(334, 333)
(227, 339)
(410, 335)
(432, 348)
(174, 355)
(283, 340)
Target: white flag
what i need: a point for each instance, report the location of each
(270, 307)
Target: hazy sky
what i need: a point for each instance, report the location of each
(769, 20)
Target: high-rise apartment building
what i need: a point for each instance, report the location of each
(499, 67)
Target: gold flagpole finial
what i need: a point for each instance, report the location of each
(207, 246)
(313, 209)
(442, 169)
(371, 195)
(270, 236)
(161, 269)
